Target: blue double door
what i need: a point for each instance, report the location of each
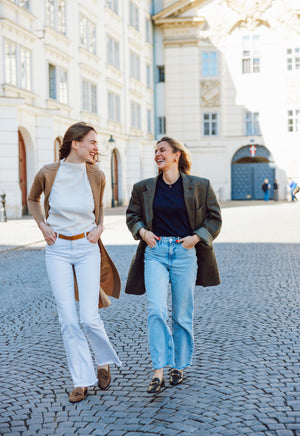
(247, 178)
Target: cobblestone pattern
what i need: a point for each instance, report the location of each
(245, 376)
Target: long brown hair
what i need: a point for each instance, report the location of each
(76, 132)
(185, 161)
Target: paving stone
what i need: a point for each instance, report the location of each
(245, 370)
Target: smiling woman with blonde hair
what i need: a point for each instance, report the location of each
(176, 216)
(72, 228)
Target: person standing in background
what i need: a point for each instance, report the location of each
(266, 188)
(276, 190)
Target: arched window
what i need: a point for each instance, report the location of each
(57, 144)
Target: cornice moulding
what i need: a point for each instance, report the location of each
(177, 8)
(195, 21)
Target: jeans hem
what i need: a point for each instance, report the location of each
(110, 362)
(84, 384)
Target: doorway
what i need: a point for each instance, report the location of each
(23, 173)
(250, 165)
(114, 179)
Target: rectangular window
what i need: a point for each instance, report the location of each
(135, 115)
(113, 52)
(58, 84)
(294, 120)
(56, 15)
(252, 124)
(161, 125)
(113, 5)
(251, 54)
(293, 59)
(17, 65)
(148, 30)
(161, 73)
(89, 96)
(135, 65)
(134, 16)
(148, 75)
(114, 107)
(52, 81)
(209, 64)
(87, 31)
(11, 62)
(210, 124)
(149, 121)
(25, 68)
(25, 4)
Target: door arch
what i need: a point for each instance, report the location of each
(57, 144)
(115, 201)
(250, 165)
(23, 173)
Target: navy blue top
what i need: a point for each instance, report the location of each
(169, 211)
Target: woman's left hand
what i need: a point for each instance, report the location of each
(189, 241)
(95, 234)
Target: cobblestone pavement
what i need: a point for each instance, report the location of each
(245, 378)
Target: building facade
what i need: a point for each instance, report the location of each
(223, 76)
(67, 61)
(228, 86)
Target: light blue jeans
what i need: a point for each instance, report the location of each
(85, 257)
(168, 262)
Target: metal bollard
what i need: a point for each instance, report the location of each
(3, 217)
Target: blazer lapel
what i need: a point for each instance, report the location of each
(188, 192)
(148, 195)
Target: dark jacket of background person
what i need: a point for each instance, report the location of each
(205, 219)
(43, 182)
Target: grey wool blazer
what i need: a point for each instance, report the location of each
(205, 219)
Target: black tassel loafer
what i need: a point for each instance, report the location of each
(176, 377)
(156, 385)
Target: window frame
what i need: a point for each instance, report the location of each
(54, 18)
(87, 34)
(251, 55)
(209, 122)
(212, 65)
(61, 88)
(252, 127)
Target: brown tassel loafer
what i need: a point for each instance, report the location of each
(176, 377)
(104, 378)
(155, 385)
(78, 394)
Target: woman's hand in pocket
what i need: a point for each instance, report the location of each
(189, 241)
(95, 234)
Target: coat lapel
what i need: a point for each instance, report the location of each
(188, 192)
(148, 195)
(94, 187)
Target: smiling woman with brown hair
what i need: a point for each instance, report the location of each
(177, 217)
(73, 204)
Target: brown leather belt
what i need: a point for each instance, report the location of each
(72, 238)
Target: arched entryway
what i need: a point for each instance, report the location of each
(23, 173)
(57, 144)
(250, 165)
(115, 201)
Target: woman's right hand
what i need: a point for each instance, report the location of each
(48, 233)
(149, 237)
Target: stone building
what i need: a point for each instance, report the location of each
(228, 74)
(223, 76)
(63, 61)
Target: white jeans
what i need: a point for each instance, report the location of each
(85, 257)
